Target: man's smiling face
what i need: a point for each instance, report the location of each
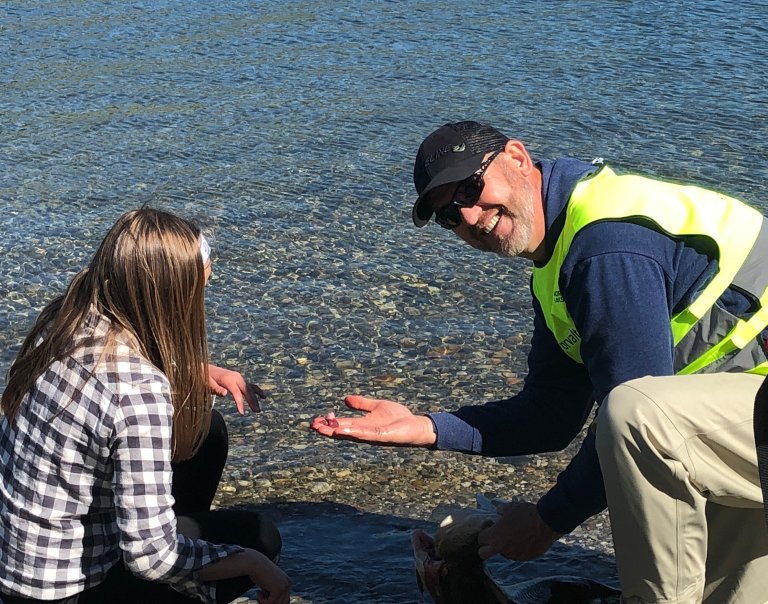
(502, 219)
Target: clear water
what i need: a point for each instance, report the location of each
(288, 131)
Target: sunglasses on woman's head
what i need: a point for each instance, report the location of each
(466, 195)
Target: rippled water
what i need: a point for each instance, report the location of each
(288, 131)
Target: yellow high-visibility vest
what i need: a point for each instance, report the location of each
(706, 338)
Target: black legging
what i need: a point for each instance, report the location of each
(195, 481)
(194, 486)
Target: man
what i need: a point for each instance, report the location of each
(647, 300)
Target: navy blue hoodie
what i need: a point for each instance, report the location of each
(621, 282)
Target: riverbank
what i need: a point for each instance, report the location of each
(347, 513)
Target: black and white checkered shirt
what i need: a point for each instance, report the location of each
(86, 478)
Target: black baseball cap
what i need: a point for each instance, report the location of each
(452, 153)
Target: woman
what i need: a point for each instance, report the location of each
(109, 387)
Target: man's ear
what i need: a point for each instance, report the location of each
(519, 155)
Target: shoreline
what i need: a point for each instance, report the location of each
(376, 496)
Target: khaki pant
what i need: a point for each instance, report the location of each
(680, 468)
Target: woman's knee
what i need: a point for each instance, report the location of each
(241, 527)
(256, 531)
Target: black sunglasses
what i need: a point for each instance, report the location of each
(466, 195)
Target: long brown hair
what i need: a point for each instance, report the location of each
(147, 277)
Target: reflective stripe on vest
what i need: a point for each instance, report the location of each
(705, 337)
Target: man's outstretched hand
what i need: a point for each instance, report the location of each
(384, 422)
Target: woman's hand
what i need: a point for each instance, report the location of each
(225, 381)
(274, 583)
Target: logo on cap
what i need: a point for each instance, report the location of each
(458, 148)
(437, 154)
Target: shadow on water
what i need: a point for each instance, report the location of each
(336, 553)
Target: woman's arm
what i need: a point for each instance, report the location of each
(140, 450)
(274, 583)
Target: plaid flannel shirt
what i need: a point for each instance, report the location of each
(86, 478)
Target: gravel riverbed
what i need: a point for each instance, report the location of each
(346, 510)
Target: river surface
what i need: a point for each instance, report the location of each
(287, 130)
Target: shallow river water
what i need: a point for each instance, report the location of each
(288, 131)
